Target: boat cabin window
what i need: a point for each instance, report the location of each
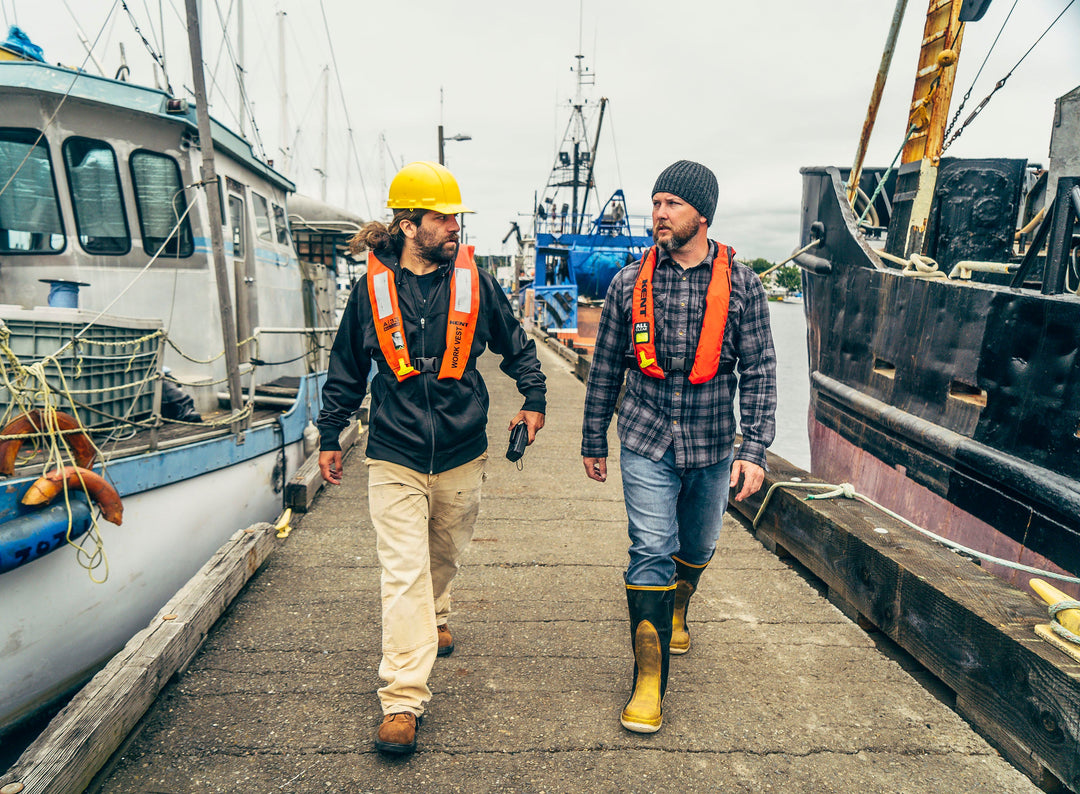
(29, 214)
(95, 196)
(282, 225)
(236, 221)
(159, 196)
(262, 217)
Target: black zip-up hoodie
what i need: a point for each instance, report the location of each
(427, 424)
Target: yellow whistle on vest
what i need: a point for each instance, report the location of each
(646, 361)
(405, 368)
(1069, 618)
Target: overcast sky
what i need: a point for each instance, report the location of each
(753, 90)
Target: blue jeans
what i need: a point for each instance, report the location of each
(671, 511)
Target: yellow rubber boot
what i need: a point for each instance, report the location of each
(643, 713)
(680, 635)
(686, 585)
(650, 633)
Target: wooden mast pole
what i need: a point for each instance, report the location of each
(875, 100)
(213, 202)
(929, 110)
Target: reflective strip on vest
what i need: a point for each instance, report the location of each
(461, 317)
(711, 338)
(384, 306)
(389, 327)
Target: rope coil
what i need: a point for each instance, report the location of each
(1060, 630)
(847, 490)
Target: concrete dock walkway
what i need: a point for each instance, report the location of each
(779, 692)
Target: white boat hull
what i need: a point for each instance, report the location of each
(58, 626)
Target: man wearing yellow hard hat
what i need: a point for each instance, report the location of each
(423, 313)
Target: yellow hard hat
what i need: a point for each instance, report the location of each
(428, 186)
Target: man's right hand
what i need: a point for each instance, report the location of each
(330, 466)
(596, 468)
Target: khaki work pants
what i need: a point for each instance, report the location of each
(423, 523)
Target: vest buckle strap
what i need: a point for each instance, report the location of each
(676, 364)
(430, 364)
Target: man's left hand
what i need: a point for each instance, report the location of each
(752, 477)
(534, 420)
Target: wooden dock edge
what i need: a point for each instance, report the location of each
(579, 362)
(81, 739)
(971, 630)
(86, 732)
(300, 491)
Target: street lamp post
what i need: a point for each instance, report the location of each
(442, 139)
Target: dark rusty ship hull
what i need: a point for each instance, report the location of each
(955, 404)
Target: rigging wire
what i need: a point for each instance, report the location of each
(149, 47)
(967, 94)
(217, 87)
(237, 68)
(344, 104)
(615, 146)
(82, 36)
(63, 99)
(153, 32)
(217, 58)
(273, 75)
(1001, 82)
(977, 73)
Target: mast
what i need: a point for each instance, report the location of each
(284, 94)
(325, 130)
(592, 155)
(932, 95)
(572, 158)
(213, 202)
(579, 133)
(240, 64)
(929, 111)
(875, 99)
(575, 218)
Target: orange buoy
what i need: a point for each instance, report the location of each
(36, 421)
(46, 488)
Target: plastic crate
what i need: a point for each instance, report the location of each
(91, 365)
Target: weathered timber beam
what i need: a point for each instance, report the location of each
(301, 489)
(970, 629)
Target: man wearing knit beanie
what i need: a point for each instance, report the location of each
(690, 314)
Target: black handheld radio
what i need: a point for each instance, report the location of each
(519, 439)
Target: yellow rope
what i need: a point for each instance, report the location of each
(28, 388)
(916, 266)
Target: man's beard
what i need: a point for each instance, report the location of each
(680, 235)
(430, 247)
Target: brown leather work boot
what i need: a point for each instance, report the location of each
(397, 733)
(446, 641)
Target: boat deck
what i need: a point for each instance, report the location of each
(140, 440)
(780, 691)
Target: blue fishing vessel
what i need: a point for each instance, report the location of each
(578, 251)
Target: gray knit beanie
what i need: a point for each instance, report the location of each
(693, 183)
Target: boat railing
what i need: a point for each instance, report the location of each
(112, 378)
(318, 340)
(604, 225)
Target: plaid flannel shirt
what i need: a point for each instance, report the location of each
(698, 420)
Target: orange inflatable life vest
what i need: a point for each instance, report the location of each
(707, 355)
(460, 321)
